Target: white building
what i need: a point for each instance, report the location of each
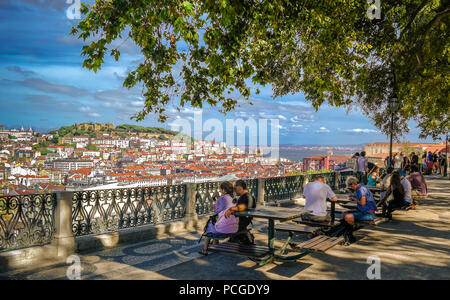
(66, 165)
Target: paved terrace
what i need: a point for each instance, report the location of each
(415, 245)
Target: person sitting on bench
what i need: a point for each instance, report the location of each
(418, 183)
(365, 203)
(408, 200)
(244, 203)
(385, 183)
(316, 194)
(221, 226)
(373, 177)
(395, 196)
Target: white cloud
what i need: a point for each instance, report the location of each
(94, 115)
(322, 130)
(89, 112)
(359, 130)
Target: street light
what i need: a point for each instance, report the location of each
(393, 107)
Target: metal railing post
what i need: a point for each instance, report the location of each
(64, 240)
(191, 214)
(336, 181)
(261, 182)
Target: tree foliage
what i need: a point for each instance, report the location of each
(205, 51)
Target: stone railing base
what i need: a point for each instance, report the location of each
(41, 256)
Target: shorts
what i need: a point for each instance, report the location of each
(359, 216)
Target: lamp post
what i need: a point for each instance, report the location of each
(446, 156)
(393, 106)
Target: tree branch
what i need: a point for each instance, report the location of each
(414, 15)
(422, 38)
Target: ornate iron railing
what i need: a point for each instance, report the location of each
(252, 186)
(291, 187)
(342, 178)
(330, 178)
(204, 201)
(109, 210)
(26, 220)
(30, 220)
(281, 188)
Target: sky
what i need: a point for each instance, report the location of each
(43, 85)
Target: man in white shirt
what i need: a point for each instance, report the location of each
(398, 161)
(316, 194)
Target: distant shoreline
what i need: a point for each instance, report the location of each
(298, 155)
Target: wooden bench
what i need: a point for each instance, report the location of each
(296, 228)
(320, 243)
(217, 236)
(254, 251)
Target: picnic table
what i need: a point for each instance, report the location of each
(272, 214)
(340, 201)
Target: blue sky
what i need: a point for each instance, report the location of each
(43, 85)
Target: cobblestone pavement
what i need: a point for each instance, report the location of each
(415, 245)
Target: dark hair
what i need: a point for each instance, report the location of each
(357, 154)
(227, 187)
(396, 183)
(241, 183)
(363, 153)
(375, 169)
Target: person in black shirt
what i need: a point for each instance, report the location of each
(244, 203)
(414, 160)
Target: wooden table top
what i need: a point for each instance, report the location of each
(342, 200)
(272, 212)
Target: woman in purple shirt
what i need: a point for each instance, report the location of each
(222, 204)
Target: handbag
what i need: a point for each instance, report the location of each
(226, 225)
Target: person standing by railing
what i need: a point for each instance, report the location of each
(430, 162)
(362, 165)
(414, 161)
(424, 165)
